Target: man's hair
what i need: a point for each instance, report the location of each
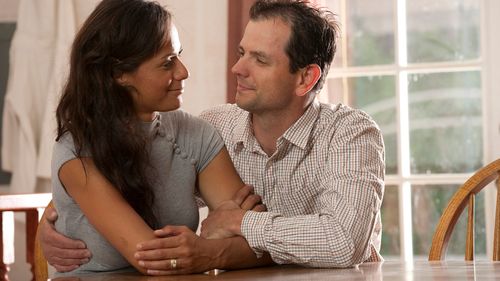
(314, 32)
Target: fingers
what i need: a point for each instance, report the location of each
(165, 264)
(67, 256)
(259, 208)
(64, 268)
(242, 193)
(164, 267)
(250, 202)
(51, 215)
(167, 240)
(54, 239)
(63, 253)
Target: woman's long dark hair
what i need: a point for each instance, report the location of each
(97, 111)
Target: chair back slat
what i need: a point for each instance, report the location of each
(462, 198)
(469, 241)
(496, 236)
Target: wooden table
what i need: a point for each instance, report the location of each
(416, 271)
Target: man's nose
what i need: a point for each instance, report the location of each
(239, 67)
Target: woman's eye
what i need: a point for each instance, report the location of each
(168, 64)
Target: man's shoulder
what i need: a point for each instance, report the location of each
(222, 114)
(340, 115)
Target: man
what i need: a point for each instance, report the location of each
(319, 168)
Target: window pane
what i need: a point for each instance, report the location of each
(428, 204)
(369, 32)
(445, 122)
(390, 224)
(376, 96)
(444, 30)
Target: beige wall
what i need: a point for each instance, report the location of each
(8, 12)
(203, 31)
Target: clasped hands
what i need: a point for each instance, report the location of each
(193, 253)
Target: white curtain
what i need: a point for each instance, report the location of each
(38, 66)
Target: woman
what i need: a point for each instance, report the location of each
(120, 168)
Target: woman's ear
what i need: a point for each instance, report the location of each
(309, 76)
(121, 79)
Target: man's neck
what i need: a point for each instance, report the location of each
(268, 127)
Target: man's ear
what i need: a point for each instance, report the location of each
(309, 76)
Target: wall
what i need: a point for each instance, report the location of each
(203, 32)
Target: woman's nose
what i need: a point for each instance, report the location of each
(181, 72)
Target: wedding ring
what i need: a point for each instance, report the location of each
(173, 263)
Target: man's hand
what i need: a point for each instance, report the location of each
(61, 252)
(190, 252)
(223, 222)
(248, 200)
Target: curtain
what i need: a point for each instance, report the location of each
(38, 66)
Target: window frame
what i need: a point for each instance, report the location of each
(489, 18)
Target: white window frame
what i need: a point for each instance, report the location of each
(488, 64)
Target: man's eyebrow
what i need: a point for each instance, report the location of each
(259, 54)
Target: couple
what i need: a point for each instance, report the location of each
(128, 167)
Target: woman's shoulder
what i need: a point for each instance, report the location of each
(173, 120)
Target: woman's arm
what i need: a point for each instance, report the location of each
(105, 208)
(219, 181)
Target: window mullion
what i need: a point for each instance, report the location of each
(405, 216)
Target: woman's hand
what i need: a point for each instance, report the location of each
(177, 250)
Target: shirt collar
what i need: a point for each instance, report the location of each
(243, 131)
(298, 134)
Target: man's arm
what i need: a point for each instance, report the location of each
(339, 232)
(63, 253)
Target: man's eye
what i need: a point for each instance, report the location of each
(261, 61)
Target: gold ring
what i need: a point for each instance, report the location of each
(173, 263)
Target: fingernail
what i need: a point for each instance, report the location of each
(139, 246)
(84, 260)
(141, 263)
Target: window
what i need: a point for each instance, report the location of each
(418, 68)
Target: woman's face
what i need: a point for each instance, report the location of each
(158, 83)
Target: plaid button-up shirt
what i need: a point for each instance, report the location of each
(323, 186)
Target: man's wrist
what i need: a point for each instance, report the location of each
(235, 225)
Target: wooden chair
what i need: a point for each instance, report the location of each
(465, 195)
(41, 267)
(31, 205)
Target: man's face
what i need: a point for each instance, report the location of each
(265, 84)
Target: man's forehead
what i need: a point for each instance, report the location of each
(265, 33)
